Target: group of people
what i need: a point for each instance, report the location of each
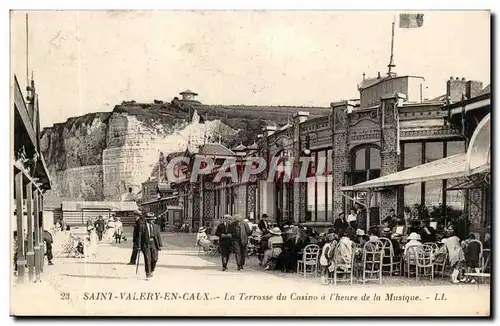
(112, 228)
(461, 255)
(235, 234)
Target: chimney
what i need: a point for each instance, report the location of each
(473, 88)
(455, 88)
(378, 75)
(300, 116)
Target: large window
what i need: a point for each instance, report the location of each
(432, 193)
(319, 184)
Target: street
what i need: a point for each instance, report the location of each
(190, 283)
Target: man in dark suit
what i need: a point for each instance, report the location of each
(263, 224)
(240, 231)
(222, 232)
(340, 223)
(150, 243)
(99, 227)
(135, 237)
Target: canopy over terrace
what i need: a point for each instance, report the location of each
(475, 161)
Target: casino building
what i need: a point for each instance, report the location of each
(367, 144)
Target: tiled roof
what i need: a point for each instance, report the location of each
(187, 91)
(215, 149)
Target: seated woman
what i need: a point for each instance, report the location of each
(272, 253)
(202, 239)
(344, 254)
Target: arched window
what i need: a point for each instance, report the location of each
(365, 157)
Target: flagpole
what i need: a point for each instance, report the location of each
(27, 54)
(391, 60)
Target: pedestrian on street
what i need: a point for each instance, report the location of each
(222, 232)
(135, 237)
(48, 240)
(239, 239)
(150, 242)
(118, 230)
(99, 227)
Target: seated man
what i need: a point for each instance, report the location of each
(272, 253)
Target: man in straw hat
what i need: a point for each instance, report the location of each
(222, 232)
(239, 239)
(150, 243)
(270, 253)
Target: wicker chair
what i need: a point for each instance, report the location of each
(425, 257)
(389, 259)
(432, 244)
(341, 266)
(373, 254)
(411, 259)
(440, 261)
(309, 263)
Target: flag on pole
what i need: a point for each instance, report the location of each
(411, 20)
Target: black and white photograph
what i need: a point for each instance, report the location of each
(250, 163)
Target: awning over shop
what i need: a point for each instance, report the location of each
(476, 160)
(446, 168)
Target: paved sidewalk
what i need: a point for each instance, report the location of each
(188, 283)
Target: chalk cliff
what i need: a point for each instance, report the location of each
(98, 156)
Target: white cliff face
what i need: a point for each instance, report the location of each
(135, 148)
(100, 155)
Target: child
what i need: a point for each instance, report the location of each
(202, 239)
(472, 252)
(326, 256)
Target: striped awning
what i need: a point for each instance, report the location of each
(446, 168)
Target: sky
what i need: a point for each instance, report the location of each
(89, 61)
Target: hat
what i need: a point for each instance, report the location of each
(414, 236)
(360, 232)
(227, 216)
(202, 229)
(246, 220)
(237, 217)
(386, 230)
(275, 231)
(150, 216)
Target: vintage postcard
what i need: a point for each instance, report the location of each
(250, 163)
